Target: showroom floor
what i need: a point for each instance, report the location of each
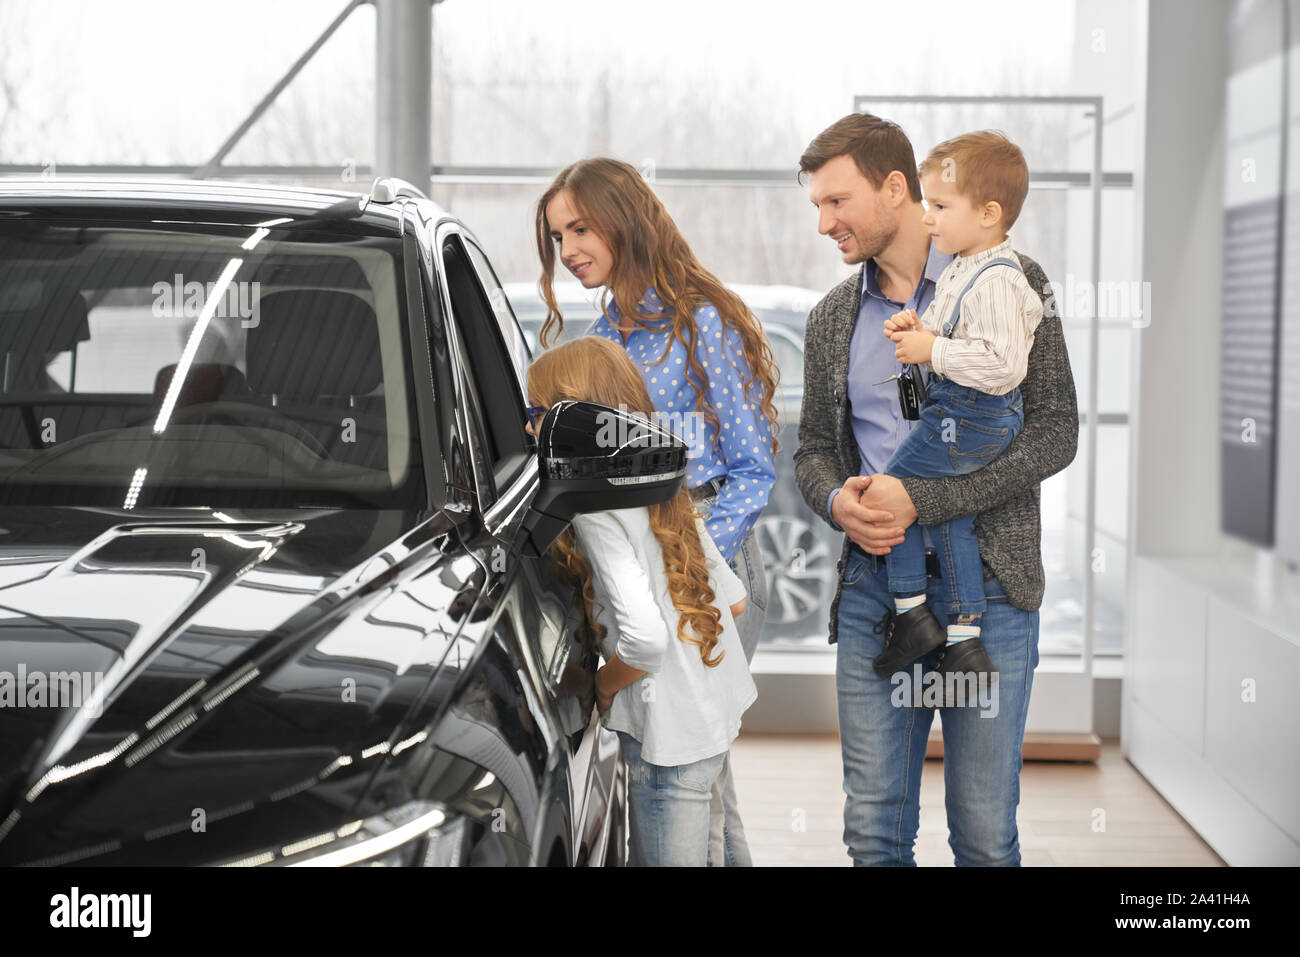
(789, 788)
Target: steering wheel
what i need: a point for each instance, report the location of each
(238, 413)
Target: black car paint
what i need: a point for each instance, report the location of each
(218, 742)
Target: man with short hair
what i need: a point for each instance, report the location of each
(861, 175)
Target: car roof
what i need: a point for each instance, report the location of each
(69, 191)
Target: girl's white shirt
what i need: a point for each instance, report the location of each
(681, 711)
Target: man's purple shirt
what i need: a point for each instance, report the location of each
(878, 423)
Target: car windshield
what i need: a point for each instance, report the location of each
(151, 363)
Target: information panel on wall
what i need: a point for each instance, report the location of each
(1288, 391)
(1252, 249)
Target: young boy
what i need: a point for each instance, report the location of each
(975, 337)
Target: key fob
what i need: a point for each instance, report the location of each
(911, 393)
(932, 568)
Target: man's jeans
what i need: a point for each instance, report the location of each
(883, 730)
(668, 809)
(960, 430)
(727, 844)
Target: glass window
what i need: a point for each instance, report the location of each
(492, 370)
(788, 353)
(576, 305)
(516, 345)
(215, 365)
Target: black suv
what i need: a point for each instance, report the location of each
(272, 537)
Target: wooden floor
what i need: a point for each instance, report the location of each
(792, 804)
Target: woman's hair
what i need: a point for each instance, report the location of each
(595, 369)
(648, 250)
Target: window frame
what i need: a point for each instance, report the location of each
(511, 448)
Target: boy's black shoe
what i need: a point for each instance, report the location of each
(909, 636)
(961, 660)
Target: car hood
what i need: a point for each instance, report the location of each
(158, 665)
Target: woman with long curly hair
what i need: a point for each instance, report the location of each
(661, 601)
(704, 359)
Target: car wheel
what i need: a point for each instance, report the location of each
(800, 573)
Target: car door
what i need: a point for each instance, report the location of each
(799, 550)
(546, 613)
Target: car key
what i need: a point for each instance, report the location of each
(911, 391)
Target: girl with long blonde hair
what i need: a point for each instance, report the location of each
(661, 601)
(703, 357)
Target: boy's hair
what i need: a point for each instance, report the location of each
(986, 167)
(878, 147)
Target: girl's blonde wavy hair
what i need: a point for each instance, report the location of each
(649, 250)
(596, 370)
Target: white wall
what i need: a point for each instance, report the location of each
(1212, 653)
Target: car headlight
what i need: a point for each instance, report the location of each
(419, 834)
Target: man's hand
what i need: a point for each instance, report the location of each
(914, 346)
(873, 529)
(887, 493)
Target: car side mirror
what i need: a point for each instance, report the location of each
(593, 459)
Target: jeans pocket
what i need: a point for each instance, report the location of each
(855, 567)
(753, 574)
(639, 773)
(976, 445)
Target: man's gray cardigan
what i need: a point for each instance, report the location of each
(1003, 495)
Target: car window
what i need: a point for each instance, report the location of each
(477, 437)
(168, 365)
(492, 371)
(788, 353)
(127, 343)
(518, 348)
(577, 307)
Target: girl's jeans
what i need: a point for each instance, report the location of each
(668, 809)
(727, 844)
(960, 430)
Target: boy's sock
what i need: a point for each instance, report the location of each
(967, 626)
(904, 603)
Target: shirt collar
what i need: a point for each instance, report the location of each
(963, 263)
(935, 263)
(649, 303)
